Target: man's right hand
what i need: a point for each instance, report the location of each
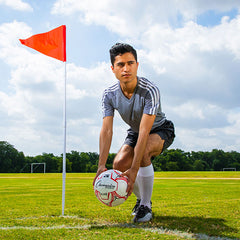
(99, 171)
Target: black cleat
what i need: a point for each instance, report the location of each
(135, 209)
(144, 214)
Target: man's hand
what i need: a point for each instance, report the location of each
(99, 171)
(131, 174)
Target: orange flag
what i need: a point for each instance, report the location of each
(52, 43)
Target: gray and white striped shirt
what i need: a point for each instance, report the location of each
(145, 99)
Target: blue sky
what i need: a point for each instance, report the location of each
(212, 17)
(190, 49)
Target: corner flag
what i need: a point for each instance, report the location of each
(52, 43)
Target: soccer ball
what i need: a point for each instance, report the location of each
(110, 188)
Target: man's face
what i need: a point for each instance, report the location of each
(125, 67)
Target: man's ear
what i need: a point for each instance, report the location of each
(112, 67)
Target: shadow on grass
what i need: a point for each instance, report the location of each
(196, 225)
(199, 227)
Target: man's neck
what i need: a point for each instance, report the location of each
(128, 88)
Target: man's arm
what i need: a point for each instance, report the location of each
(139, 150)
(105, 140)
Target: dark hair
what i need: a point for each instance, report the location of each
(119, 49)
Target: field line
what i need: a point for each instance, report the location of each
(46, 228)
(160, 231)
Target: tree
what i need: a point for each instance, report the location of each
(220, 160)
(180, 159)
(91, 165)
(84, 159)
(110, 159)
(198, 165)
(51, 162)
(10, 159)
(172, 166)
(74, 158)
(59, 161)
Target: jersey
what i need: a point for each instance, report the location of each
(145, 100)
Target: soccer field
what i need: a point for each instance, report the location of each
(186, 205)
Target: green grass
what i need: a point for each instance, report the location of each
(185, 205)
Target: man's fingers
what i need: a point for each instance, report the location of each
(129, 187)
(98, 173)
(124, 174)
(131, 181)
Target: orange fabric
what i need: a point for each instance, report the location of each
(52, 43)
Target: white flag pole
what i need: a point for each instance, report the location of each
(64, 142)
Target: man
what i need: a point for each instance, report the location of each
(138, 102)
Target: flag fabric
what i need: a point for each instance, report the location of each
(52, 43)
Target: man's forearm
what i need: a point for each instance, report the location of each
(104, 146)
(139, 151)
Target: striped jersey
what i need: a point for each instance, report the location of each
(145, 99)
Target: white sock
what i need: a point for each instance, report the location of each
(146, 177)
(136, 189)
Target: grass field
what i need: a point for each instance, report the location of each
(186, 205)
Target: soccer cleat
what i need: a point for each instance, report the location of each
(135, 209)
(144, 214)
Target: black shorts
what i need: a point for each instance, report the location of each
(165, 131)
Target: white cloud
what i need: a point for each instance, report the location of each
(133, 18)
(201, 62)
(127, 18)
(98, 77)
(17, 5)
(211, 137)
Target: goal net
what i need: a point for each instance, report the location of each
(35, 166)
(229, 169)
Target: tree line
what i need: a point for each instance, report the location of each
(13, 161)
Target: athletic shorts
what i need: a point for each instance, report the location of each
(165, 131)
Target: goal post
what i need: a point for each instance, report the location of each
(37, 164)
(229, 169)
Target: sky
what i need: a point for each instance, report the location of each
(190, 49)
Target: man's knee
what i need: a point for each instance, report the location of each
(123, 159)
(146, 161)
(153, 148)
(120, 165)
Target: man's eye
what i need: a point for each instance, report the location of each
(120, 64)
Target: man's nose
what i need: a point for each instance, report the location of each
(126, 68)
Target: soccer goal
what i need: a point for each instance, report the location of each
(229, 169)
(37, 165)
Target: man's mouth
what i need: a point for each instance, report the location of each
(126, 75)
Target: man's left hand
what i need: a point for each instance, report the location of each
(131, 174)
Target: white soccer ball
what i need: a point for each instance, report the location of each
(110, 188)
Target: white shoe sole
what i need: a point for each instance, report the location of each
(146, 218)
